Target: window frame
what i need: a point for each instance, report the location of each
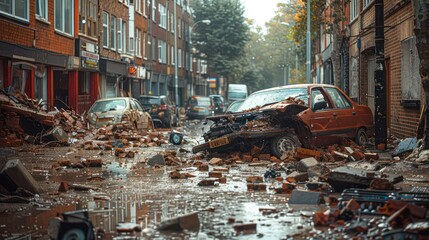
(44, 16)
(162, 16)
(106, 19)
(13, 14)
(113, 37)
(138, 43)
(63, 20)
(120, 38)
(354, 9)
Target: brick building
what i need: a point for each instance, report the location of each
(404, 95)
(71, 53)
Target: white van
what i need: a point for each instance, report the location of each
(236, 92)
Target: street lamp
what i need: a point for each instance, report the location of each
(205, 21)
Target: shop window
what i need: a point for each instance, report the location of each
(20, 75)
(84, 83)
(41, 87)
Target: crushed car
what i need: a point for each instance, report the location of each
(120, 110)
(284, 118)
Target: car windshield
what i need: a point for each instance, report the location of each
(200, 101)
(234, 106)
(262, 98)
(150, 101)
(237, 95)
(109, 105)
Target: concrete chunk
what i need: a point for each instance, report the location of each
(304, 164)
(306, 197)
(14, 175)
(189, 222)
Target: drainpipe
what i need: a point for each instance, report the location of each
(380, 79)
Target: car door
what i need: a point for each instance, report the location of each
(344, 113)
(323, 117)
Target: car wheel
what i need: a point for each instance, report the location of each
(361, 137)
(201, 147)
(283, 144)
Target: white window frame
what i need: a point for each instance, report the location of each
(106, 19)
(12, 5)
(172, 56)
(162, 16)
(179, 57)
(63, 22)
(144, 45)
(113, 29)
(43, 10)
(154, 10)
(120, 38)
(366, 3)
(138, 43)
(172, 22)
(138, 5)
(131, 46)
(354, 9)
(124, 35)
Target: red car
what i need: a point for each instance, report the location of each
(287, 117)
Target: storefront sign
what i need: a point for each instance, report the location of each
(132, 70)
(212, 82)
(89, 60)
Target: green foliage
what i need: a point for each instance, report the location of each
(222, 42)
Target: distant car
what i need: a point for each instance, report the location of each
(234, 106)
(199, 107)
(120, 110)
(218, 103)
(284, 118)
(160, 108)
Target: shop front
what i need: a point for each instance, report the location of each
(88, 75)
(32, 71)
(113, 81)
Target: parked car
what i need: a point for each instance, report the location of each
(199, 107)
(218, 103)
(160, 108)
(284, 118)
(234, 106)
(119, 110)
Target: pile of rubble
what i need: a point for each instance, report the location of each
(23, 119)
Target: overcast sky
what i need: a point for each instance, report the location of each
(260, 11)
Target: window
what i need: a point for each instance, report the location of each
(354, 9)
(131, 46)
(88, 17)
(144, 45)
(162, 52)
(173, 60)
(120, 37)
(113, 32)
(124, 36)
(153, 10)
(179, 28)
(138, 5)
(319, 100)
(366, 3)
(410, 77)
(64, 16)
(15, 8)
(105, 29)
(179, 58)
(172, 23)
(42, 9)
(162, 16)
(138, 42)
(339, 99)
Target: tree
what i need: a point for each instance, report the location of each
(421, 24)
(221, 43)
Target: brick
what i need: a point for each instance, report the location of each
(305, 153)
(254, 179)
(222, 180)
(358, 155)
(373, 156)
(203, 168)
(256, 187)
(297, 177)
(264, 156)
(215, 174)
(246, 158)
(216, 161)
(246, 227)
(220, 169)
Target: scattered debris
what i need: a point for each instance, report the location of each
(189, 222)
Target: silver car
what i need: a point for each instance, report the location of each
(119, 110)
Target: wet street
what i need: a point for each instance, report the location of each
(128, 190)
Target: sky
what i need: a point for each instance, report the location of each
(260, 11)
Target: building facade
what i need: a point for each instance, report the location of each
(71, 53)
